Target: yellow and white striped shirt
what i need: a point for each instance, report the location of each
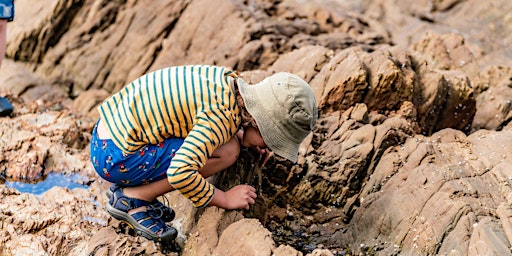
(192, 102)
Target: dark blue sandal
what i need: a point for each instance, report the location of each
(156, 209)
(144, 225)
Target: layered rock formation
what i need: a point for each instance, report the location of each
(410, 154)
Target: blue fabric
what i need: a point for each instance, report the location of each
(148, 164)
(7, 10)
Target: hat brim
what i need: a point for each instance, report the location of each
(255, 98)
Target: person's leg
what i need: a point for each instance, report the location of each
(3, 38)
(222, 158)
(122, 169)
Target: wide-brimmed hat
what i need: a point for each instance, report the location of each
(285, 111)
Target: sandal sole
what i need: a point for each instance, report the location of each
(139, 229)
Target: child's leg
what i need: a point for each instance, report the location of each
(222, 158)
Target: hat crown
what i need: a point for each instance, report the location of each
(284, 107)
(297, 111)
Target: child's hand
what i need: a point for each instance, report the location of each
(240, 135)
(265, 155)
(238, 197)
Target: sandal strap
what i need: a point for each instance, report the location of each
(156, 226)
(156, 209)
(161, 210)
(121, 202)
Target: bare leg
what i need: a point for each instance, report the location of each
(3, 38)
(222, 158)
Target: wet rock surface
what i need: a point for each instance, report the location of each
(410, 155)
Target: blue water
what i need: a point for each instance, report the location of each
(52, 180)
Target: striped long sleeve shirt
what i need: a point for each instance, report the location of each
(196, 103)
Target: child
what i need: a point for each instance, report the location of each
(174, 127)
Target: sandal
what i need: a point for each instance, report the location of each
(156, 210)
(142, 222)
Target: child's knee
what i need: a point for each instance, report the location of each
(229, 152)
(233, 150)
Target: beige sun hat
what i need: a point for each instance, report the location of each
(285, 111)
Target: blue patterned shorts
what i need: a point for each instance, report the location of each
(147, 165)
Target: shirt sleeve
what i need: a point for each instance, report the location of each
(210, 130)
(7, 10)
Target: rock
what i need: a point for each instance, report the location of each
(459, 176)
(88, 101)
(321, 252)
(445, 52)
(38, 27)
(55, 223)
(36, 144)
(245, 237)
(410, 155)
(408, 23)
(343, 74)
(107, 241)
(284, 250)
(493, 97)
(295, 61)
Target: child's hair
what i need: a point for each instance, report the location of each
(247, 119)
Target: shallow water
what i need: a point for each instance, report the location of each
(52, 180)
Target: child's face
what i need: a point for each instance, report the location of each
(252, 139)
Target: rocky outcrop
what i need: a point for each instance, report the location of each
(57, 223)
(139, 39)
(494, 98)
(410, 154)
(412, 197)
(44, 137)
